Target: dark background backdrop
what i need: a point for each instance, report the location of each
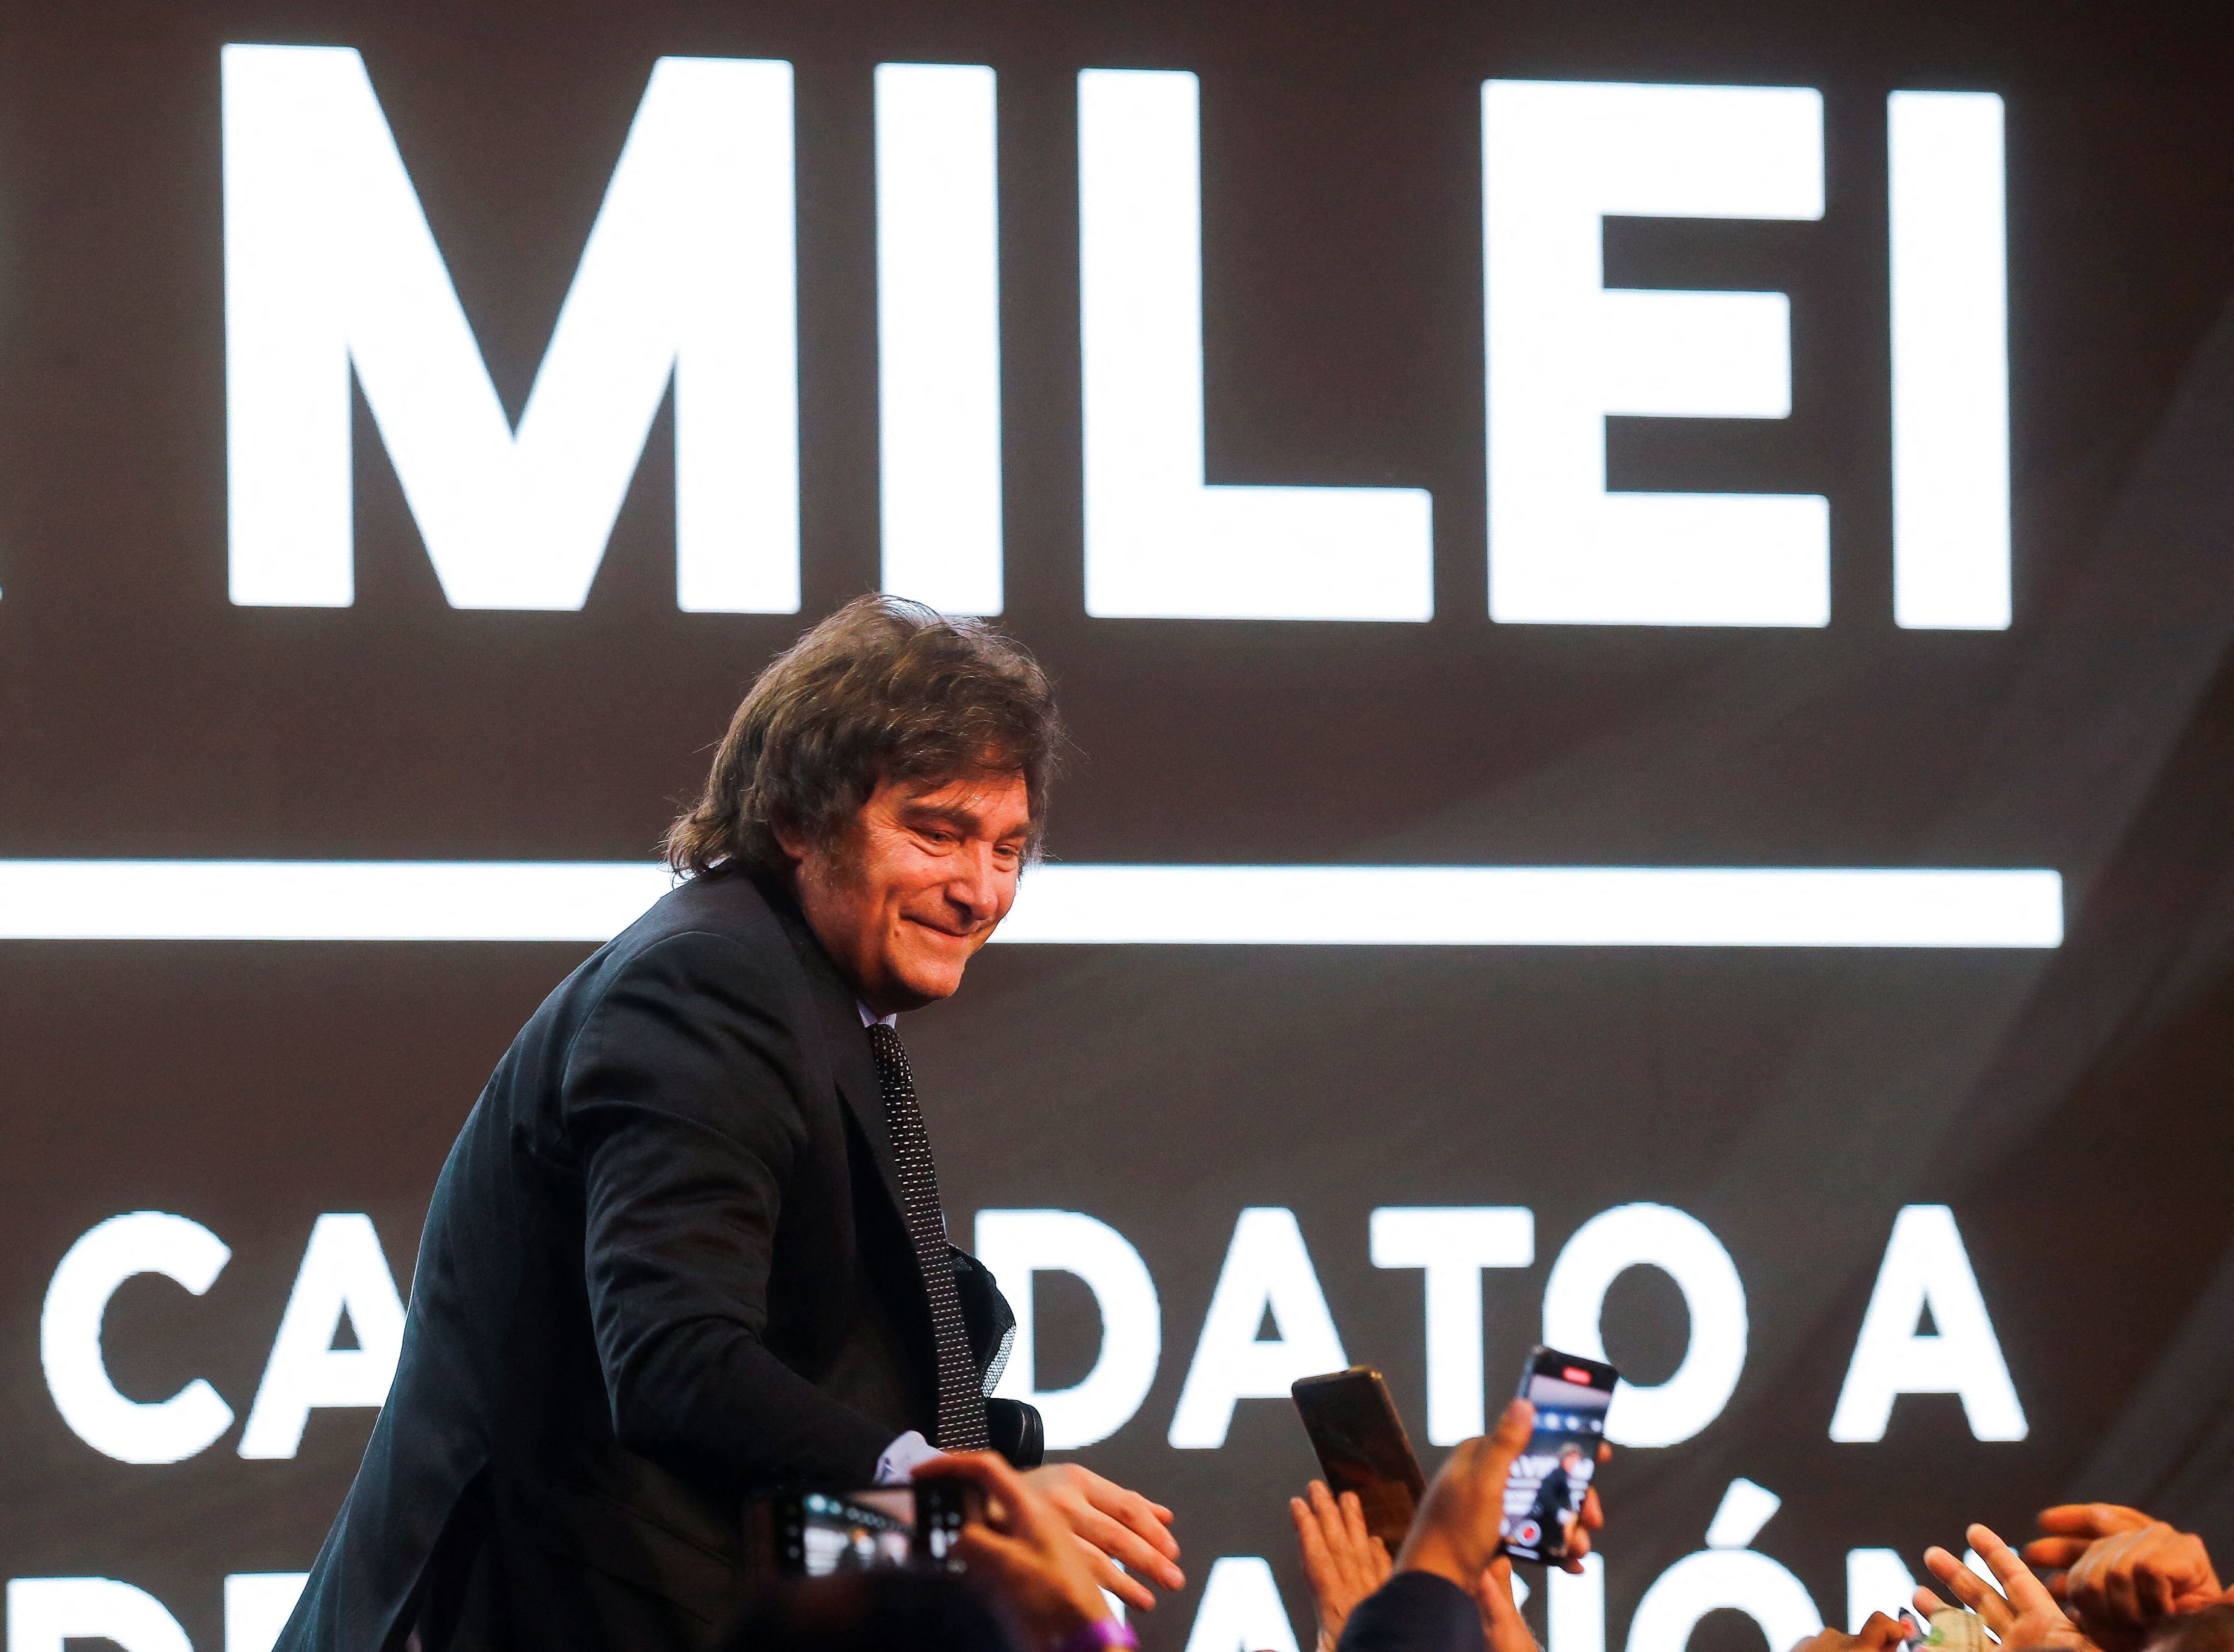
(2068, 1104)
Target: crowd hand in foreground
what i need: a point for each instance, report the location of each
(2119, 1573)
(1342, 1562)
(1023, 1551)
(1127, 1537)
(1459, 1531)
(2021, 1614)
(1878, 1634)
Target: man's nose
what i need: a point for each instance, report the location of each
(978, 884)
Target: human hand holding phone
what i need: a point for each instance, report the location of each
(1023, 1545)
(1457, 1532)
(1363, 1448)
(1342, 1562)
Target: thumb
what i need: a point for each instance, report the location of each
(1510, 1438)
(1880, 1634)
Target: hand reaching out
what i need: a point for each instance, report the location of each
(1879, 1634)
(1117, 1526)
(2022, 1613)
(1342, 1562)
(2119, 1573)
(2070, 1529)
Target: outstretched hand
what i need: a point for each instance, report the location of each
(2118, 1572)
(1122, 1530)
(2022, 1614)
(1342, 1562)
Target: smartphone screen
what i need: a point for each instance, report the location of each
(1362, 1447)
(1544, 1493)
(821, 1533)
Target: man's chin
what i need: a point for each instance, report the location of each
(926, 982)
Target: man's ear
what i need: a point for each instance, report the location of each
(793, 842)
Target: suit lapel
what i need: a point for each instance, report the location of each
(852, 1067)
(854, 1071)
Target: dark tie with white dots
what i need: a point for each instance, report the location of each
(961, 1402)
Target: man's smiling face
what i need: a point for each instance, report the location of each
(905, 897)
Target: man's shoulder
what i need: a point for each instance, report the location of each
(720, 922)
(733, 907)
(727, 927)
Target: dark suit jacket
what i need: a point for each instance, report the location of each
(1550, 1509)
(665, 1266)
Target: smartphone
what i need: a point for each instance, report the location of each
(818, 1534)
(1544, 1493)
(1362, 1447)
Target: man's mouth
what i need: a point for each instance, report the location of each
(941, 929)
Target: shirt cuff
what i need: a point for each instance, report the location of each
(902, 1456)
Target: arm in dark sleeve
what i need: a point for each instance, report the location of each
(1415, 1612)
(682, 1094)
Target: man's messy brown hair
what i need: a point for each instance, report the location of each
(883, 689)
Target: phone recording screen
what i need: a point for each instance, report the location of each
(864, 1531)
(856, 1533)
(1544, 1493)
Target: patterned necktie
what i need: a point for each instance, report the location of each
(961, 1402)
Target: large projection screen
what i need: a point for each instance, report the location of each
(1644, 596)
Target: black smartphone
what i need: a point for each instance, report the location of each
(1544, 1493)
(817, 1534)
(1362, 1447)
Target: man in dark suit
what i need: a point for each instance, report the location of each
(688, 1243)
(1558, 1498)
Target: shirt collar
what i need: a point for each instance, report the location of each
(868, 1019)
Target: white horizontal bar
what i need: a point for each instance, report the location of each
(491, 900)
(324, 901)
(1539, 906)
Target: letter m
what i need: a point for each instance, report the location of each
(687, 274)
